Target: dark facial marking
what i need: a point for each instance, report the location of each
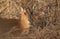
(25, 13)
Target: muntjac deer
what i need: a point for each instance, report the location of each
(24, 21)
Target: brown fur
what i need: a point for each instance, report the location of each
(24, 22)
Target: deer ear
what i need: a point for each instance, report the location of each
(24, 10)
(21, 9)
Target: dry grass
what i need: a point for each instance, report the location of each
(44, 16)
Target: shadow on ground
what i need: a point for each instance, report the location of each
(7, 24)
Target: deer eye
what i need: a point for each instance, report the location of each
(25, 13)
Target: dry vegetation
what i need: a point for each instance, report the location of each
(44, 16)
